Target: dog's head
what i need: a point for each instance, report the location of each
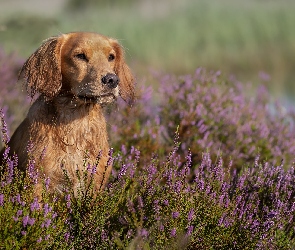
(89, 66)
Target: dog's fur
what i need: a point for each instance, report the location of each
(66, 120)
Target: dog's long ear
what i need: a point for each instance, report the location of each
(42, 71)
(126, 84)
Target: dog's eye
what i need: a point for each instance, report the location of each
(81, 56)
(111, 57)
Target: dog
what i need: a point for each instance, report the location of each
(74, 75)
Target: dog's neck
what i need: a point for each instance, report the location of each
(64, 109)
(69, 125)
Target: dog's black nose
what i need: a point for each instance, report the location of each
(111, 80)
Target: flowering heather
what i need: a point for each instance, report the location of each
(13, 100)
(212, 114)
(224, 180)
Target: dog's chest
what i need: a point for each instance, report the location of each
(71, 140)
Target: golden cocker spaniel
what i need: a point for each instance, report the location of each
(74, 75)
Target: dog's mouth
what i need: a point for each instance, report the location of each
(105, 98)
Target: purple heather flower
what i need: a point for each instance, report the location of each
(190, 215)
(67, 236)
(124, 149)
(23, 233)
(6, 151)
(129, 233)
(166, 202)
(33, 174)
(161, 226)
(47, 237)
(35, 205)
(43, 153)
(46, 223)
(1, 199)
(111, 159)
(190, 230)
(173, 232)
(39, 240)
(10, 166)
(144, 233)
(47, 182)
(175, 215)
(19, 213)
(19, 201)
(25, 220)
(47, 209)
(4, 129)
(140, 202)
(104, 235)
(31, 221)
(123, 171)
(156, 206)
(178, 186)
(68, 200)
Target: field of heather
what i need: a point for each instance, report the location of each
(205, 157)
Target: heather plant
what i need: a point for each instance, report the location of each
(218, 182)
(13, 100)
(153, 206)
(214, 114)
(225, 117)
(138, 126)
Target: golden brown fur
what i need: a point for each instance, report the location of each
(74, 74)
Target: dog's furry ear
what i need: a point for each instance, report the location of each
(126, 84)
(42, 71)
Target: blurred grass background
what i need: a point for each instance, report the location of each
(253, 40)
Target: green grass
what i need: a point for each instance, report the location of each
(238, 37)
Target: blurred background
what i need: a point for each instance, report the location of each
(253, 40)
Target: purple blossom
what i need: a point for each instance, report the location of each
(6, 152)
(4, 129)
(166, 202)
(190, 215)
(47, 182)
(140, 202)
(35, 205)
(189, 230)
(10, 170)
(173, 232)
(68, 200)
(104, 235)
(67, 236)
(31, 221)
(47, 209)
(25, 220)
(156, 206)
(32, 172)
(1, 199)
(46, 224)
(19, 212)
(175, 215)
(19, 201)
(123, 171)
(144, 233)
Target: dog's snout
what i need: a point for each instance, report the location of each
(111, 80)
